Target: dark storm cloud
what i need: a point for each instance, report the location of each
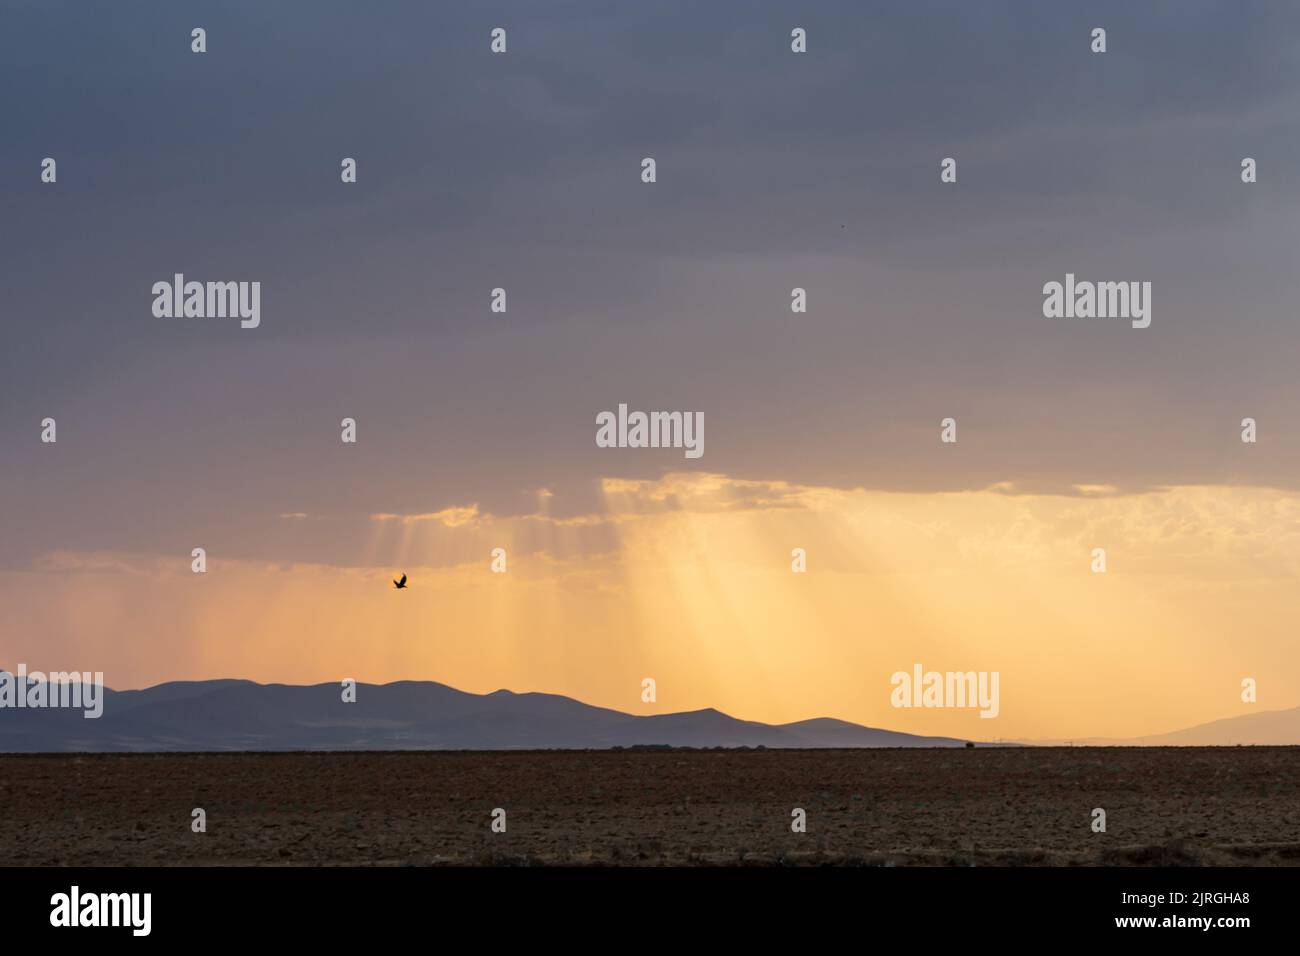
(522, 171)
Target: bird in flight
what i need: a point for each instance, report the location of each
(400, 584)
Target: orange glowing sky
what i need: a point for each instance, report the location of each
(775, 171)
(696, 590)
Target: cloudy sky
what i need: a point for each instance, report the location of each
(476, 429)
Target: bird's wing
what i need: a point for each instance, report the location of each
(403, 578)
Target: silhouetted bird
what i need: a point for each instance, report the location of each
(400, 584)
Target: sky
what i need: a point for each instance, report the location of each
(476, 429)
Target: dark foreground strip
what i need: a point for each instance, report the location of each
(665, 906)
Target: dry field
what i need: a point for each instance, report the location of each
(1164, 806)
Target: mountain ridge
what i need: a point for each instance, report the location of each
(1269, 728)
(233, 714)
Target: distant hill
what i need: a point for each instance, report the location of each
(1268, 728)
(406, 715)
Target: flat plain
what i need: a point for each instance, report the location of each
(948, 807)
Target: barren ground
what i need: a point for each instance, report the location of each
(1026, 806)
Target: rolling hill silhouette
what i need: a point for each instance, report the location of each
(406, 715)
(218, 715)
(1269, 728)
